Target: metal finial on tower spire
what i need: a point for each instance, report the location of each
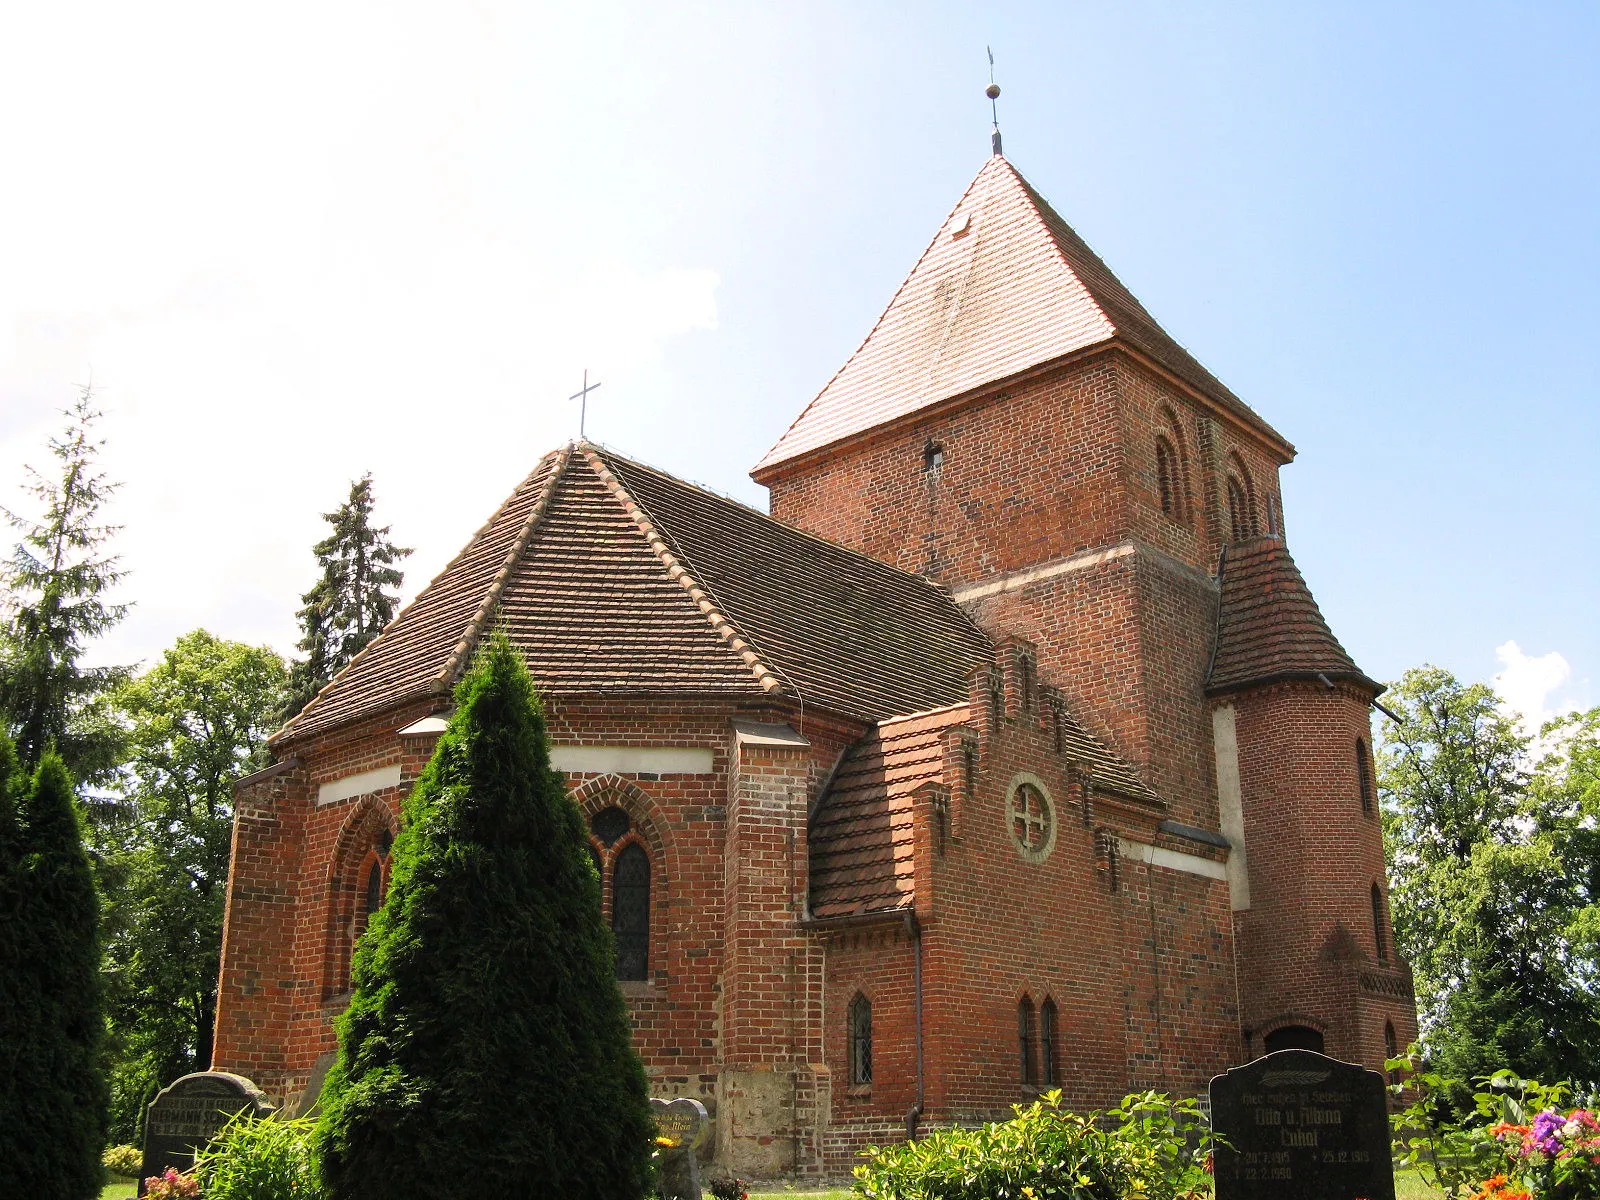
(993, 92)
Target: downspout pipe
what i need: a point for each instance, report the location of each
(914, 932)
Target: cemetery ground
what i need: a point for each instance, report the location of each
(1407, 1186)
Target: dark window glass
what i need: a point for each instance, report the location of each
(933, 458)
(1391, 1044)
(1025, 1039)
(860, 1040)
(630, 912)
(609, 824)
(1047, 1042)
(1167, 476)
(1377, 923)
(1364, 774)
(373, 900)
(1294, 1037)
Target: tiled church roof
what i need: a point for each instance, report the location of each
(613, 577)
(1269, 626)
(1006, 285)
(860, 835)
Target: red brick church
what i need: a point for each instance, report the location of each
(1009, 752)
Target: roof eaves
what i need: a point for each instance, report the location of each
(725, 629)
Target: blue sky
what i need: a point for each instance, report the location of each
(305, 242)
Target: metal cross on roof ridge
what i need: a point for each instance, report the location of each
(582, 396)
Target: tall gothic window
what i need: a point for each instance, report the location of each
(1364, 774)
(860, 1017)
(1377, 924)
(630, 912)
(1025, 1039)
(1051, 1069)
(1239, 517)
(1167, 476)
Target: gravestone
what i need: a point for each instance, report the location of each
(1302, 1126)
(685, 1123)
(188, 1114)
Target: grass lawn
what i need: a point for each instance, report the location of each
(119, 1191)
(761, 1192)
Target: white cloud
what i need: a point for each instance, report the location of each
(278, 246)
(1527, 685)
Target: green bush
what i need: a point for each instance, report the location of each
(123, 1160)
(259, 1158)
(1148, 1147)
(486, 1048)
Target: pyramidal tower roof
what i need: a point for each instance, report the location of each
(1005, 286)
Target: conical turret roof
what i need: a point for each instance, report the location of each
(1269, 626)
(1006, 285)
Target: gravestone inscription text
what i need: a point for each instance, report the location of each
(188, 1114)
(1302, 1126)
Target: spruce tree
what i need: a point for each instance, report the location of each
(56, 586)
(352, 600)
(486, 1048)
(53, 1126)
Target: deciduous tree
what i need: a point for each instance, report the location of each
(1493, 863)
(197, 720)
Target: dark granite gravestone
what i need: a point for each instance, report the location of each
(1302, 1126)
(685, 1123)
(188, 1114)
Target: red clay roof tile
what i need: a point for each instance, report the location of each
(1005, 286)
(1269, 626)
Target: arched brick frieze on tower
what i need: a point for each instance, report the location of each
(1172, 468)
(636, 867)
(1242, 522)
(358, 880)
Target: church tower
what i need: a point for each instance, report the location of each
(1017, 427)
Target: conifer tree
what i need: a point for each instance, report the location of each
(354, 598)
(486, 1049)
(56, 584)
(54, 1122)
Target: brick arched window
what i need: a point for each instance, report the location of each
(1025, 1040)
(1167, 485)
(1377, 924)
(630, 912)
(860, 1018)
(1364, 773)
(1050, 1067)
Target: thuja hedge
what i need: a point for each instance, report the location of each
(52, 1093)
(486, 1043)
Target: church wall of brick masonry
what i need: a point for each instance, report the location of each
(1098, 814)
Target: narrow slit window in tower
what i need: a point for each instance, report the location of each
(1377, 924)
(860, 1040)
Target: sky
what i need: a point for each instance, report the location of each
(294, 243)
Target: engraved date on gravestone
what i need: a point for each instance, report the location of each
(1302, 1126)
(189, 1113)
